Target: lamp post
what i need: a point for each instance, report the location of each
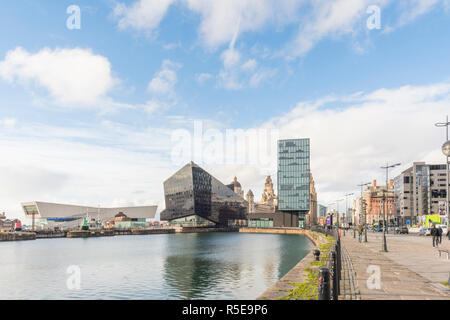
(330, 204)
(446, 152)
(385, 201)
(361, 208)
(346, 208)
(337, 207)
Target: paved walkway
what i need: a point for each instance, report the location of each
(411, 270)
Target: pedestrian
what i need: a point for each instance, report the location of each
(440, 232)
(448, 233)
(434, 234)
(360, 232)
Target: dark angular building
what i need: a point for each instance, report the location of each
(294, 180)
(195, 198)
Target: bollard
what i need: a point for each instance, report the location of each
(335, 280)
(338, 266)
(324, 284)
(316, 253)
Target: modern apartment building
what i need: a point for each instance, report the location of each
(294, 180)
(421, 190)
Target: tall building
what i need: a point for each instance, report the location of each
(380, 202)
(294, 180)
(421, 190)
(357, 214)
(322, 210)
(195, 198)
(311, 217)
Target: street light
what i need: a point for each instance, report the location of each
(330, 204)
(446, 152)
(385, 199)
(346, 208)
(337, 207)
(361, 208)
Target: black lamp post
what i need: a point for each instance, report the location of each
(387, 167)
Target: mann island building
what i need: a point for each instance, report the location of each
(65, 216)
(194, 198)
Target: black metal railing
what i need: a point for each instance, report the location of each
(330, 277)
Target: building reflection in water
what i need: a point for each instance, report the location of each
(228, 265)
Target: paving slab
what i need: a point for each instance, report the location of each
(410, 270)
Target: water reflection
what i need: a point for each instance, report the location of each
(176, 266)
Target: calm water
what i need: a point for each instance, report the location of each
(166, 266)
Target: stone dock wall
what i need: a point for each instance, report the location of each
(17, 236)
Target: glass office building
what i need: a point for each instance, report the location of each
(293, 176)
(194, 198)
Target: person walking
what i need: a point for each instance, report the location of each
(440, 232)
(434, 234)
(360, 232)
(448, 234)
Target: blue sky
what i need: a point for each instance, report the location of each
(147, 68)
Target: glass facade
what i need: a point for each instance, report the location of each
(30, 210)
(194, 192)
(322, 211)
(260, 223)
(293, 175)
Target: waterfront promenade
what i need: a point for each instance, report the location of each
(410, 270)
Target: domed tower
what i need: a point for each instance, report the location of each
(251, 201)
(237, 187)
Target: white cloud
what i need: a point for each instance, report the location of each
(75, 77)
(164, 80)
(158, 105)
(8, 123)
(162, 86)
(142, 14)
(220, 18)
(329, 18)
(415, 8)
(202, 77)
(236, 75)
(222, 21)
(249, 65)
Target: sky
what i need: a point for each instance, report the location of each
(101, 101)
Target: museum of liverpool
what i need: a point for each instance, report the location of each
(66, 216)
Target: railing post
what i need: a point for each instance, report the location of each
(338, 267)
(334, 275)
(324, 284)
